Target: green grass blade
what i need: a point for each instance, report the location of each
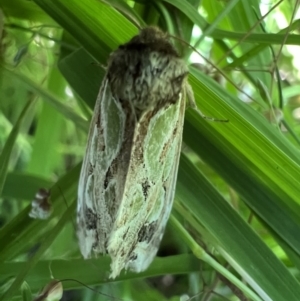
(242, 247)
(8, 147)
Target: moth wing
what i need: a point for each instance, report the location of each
(97, 185)
(149, 189)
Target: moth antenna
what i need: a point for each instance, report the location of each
(259, 21)
(214, 67)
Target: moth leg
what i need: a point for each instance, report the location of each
(192, 104)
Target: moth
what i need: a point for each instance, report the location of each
(40, 205)
(127, 182)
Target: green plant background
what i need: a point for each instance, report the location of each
(237, 197)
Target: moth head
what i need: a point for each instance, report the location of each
(147, 72)
(151, 34)
(152, 38)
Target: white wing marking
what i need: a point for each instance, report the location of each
(149, 190)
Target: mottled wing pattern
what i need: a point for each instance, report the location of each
(103, 173)
(128, 177)
(146, 205)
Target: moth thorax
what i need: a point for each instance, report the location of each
(152, 79)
